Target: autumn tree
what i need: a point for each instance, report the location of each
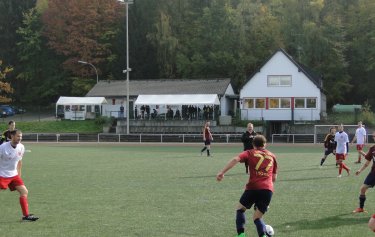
(11, 15)
(83, 30)
(40, 78)
(5, 89)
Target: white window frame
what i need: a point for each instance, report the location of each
(305, 102)
(254, 99)
(310, 98)
(245, 103)
(279, 102)
(277, 80)
(276, 99)
(260, 98)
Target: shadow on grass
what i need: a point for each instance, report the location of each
(305, 179)
(211, 176)
(324, 223)
(312, 167)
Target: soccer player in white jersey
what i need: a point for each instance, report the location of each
(11, 154)
(342, 149)
(360, 136)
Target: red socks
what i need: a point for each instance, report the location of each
(24, 205)
(342, 165)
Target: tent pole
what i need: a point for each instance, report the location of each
(197, 112)
(213, 112)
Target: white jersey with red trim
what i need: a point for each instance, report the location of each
(9, 158)
(360, 133)
(341, 138)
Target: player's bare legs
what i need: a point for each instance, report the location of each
(371, 223)
(22, 190)
(359, 150)
(362, 198)
(342, 165)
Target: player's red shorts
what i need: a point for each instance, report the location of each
(360, 147)
(340, 156)
(11, 182)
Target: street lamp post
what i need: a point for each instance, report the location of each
(96, 71)
(127, 70)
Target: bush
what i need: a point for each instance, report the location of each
(105, 121)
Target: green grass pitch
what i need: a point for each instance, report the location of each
(81, 190)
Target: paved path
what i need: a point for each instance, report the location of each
(30, 116)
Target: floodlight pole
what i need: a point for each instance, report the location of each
(96, 71)
(127, 70)
(127, 67)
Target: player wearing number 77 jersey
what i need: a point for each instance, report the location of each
(259, 189)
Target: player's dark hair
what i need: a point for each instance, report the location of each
(14, 132)
(330, 130)
(10, 122)
(259, 141)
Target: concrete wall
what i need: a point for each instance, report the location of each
(175, 127)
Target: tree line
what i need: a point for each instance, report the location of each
(43, 40)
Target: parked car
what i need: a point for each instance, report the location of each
(18, 110)
(9, 111)
(3, 114)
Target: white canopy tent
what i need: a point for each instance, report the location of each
(79, 108)
(178, 100)
(191, 99)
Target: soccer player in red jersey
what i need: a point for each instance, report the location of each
(370, 179)
(207, 138)
(259, 189)
(11, 154)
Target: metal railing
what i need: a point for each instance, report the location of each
(293, 138)
(136, 138)
(158, 138)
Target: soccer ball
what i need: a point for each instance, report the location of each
(269, 230)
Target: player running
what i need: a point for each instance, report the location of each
(259, 189)
(11, 154)
(370, 179)
(342, 149)
(207, 138)
(329, 144)
(360, 137)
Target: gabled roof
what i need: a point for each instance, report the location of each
(65, 100)
(160, 87)
(196, 99)
(315, 78)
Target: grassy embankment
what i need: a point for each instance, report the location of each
(65, 126)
